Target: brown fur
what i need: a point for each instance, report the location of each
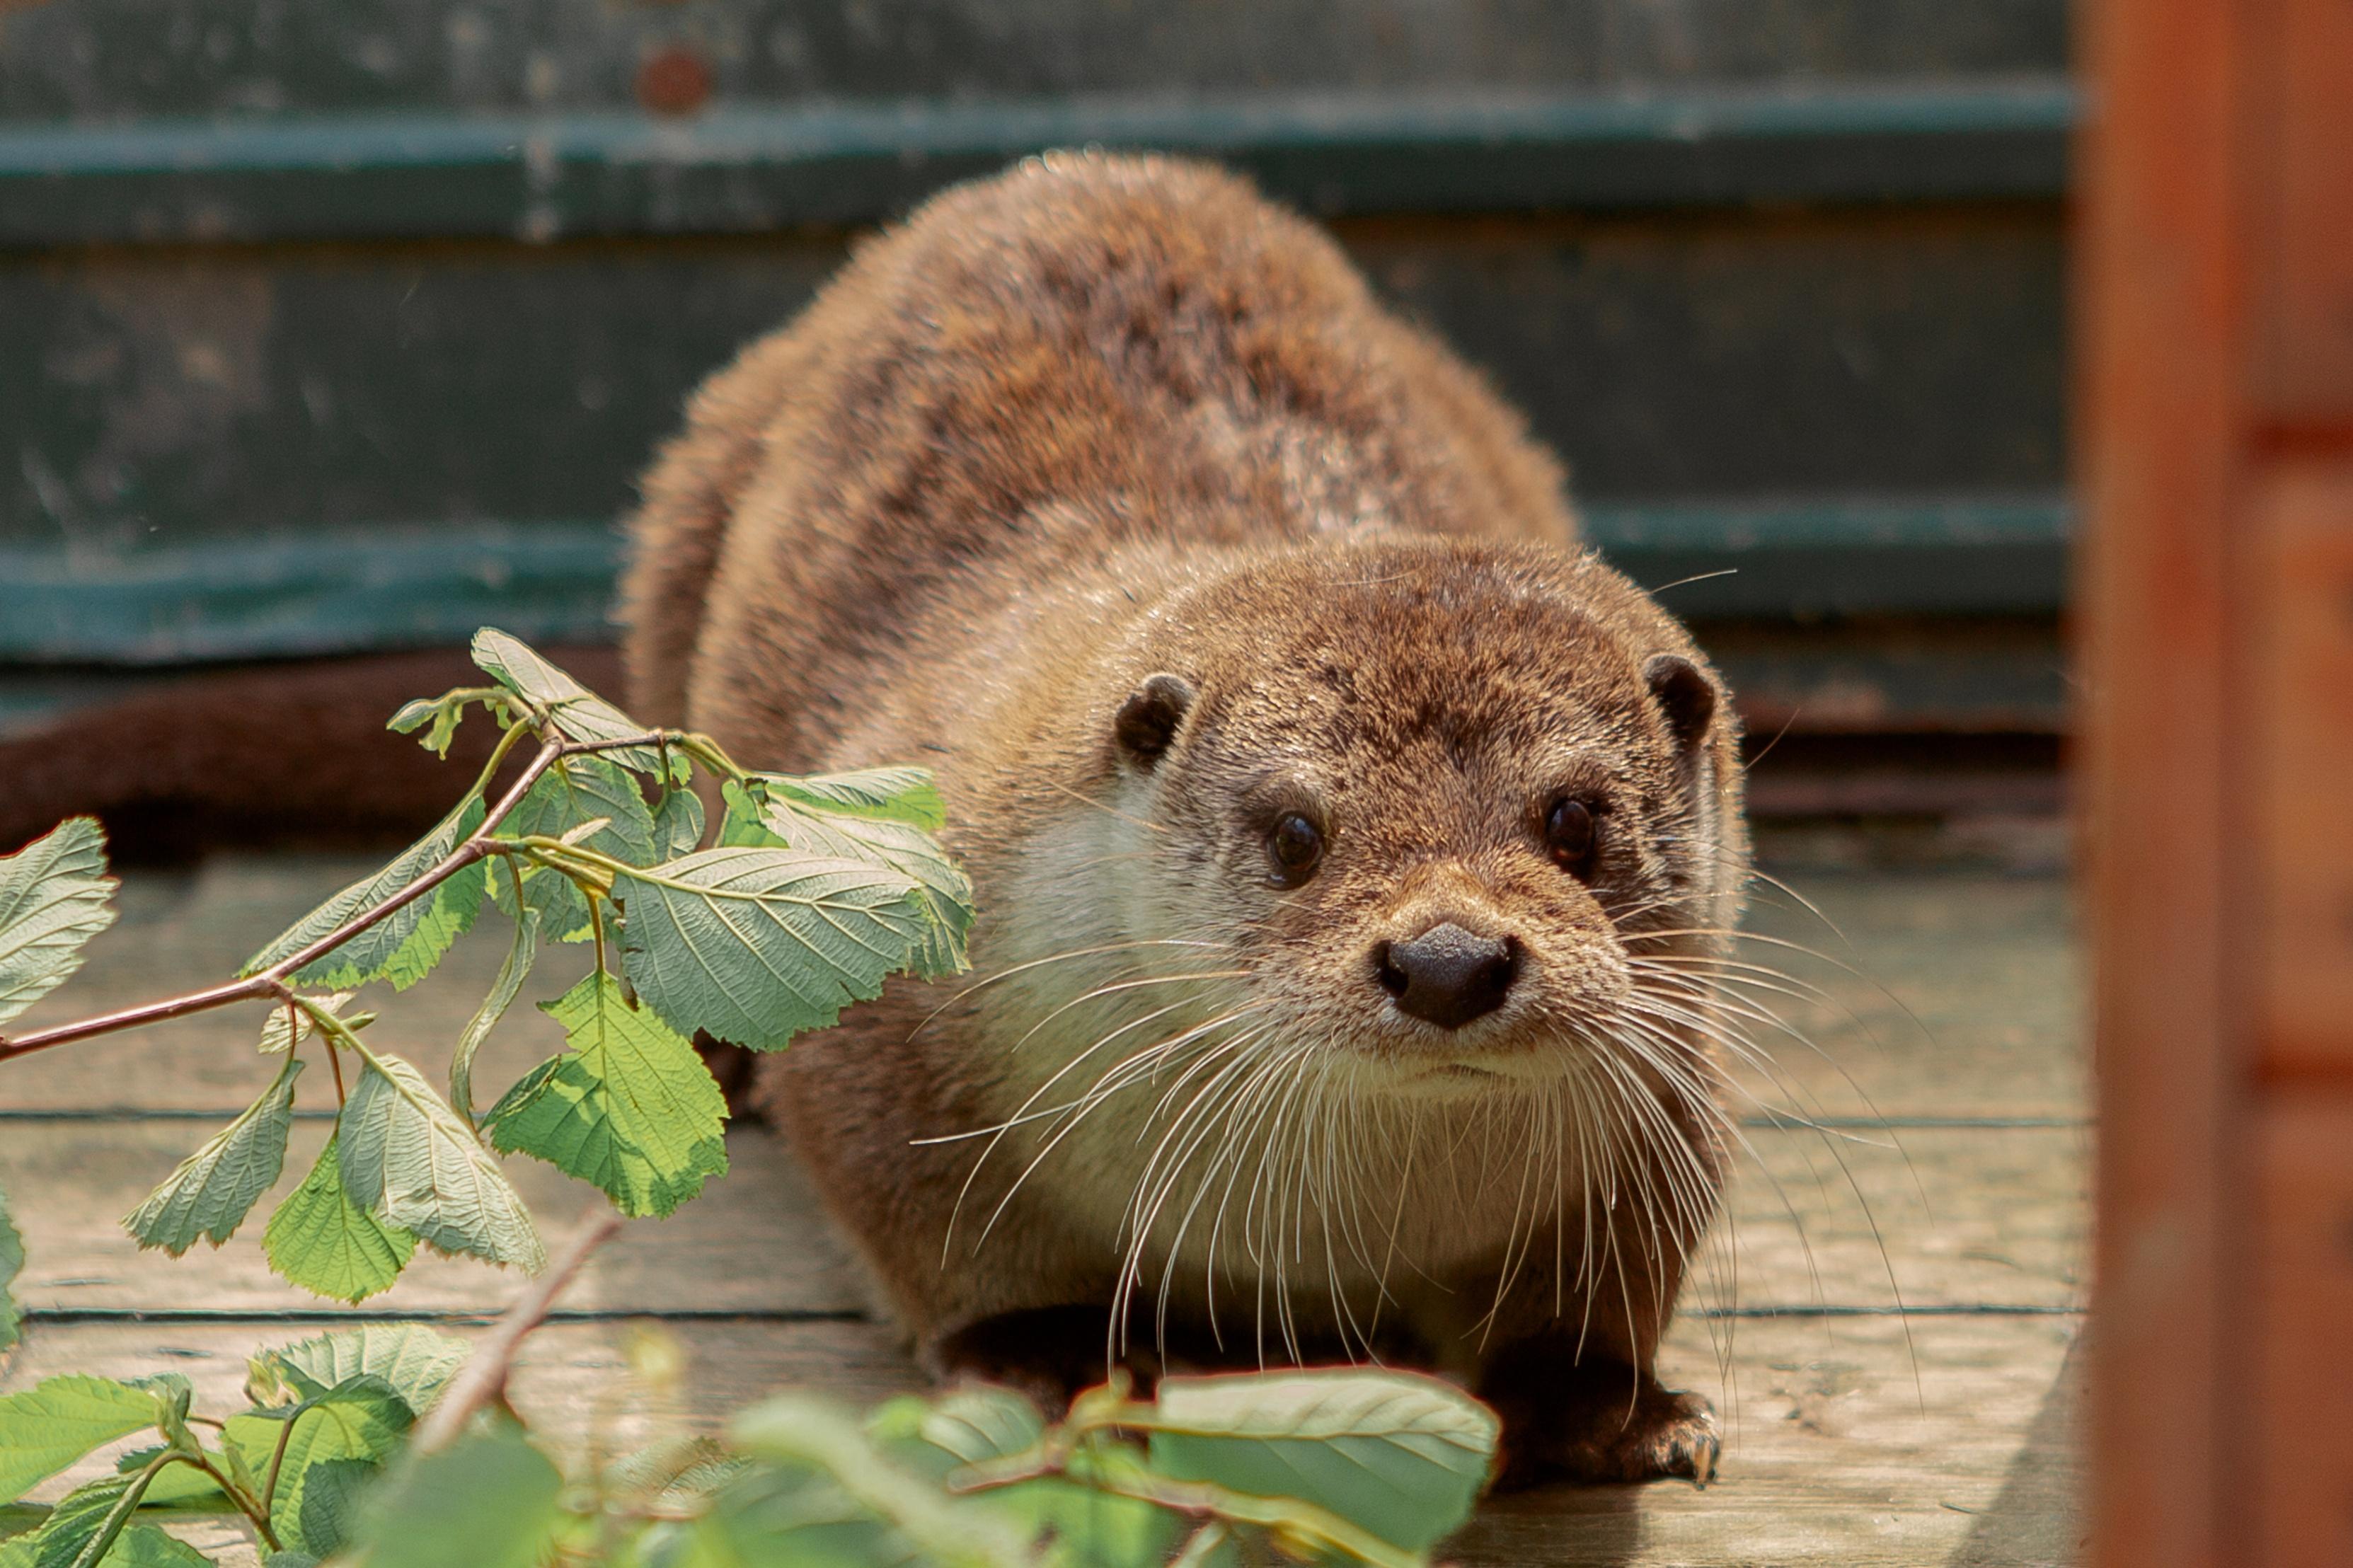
(1104, 418)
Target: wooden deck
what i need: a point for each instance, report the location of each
(1949, 1183)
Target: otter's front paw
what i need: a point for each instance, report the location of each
(1603, 1424)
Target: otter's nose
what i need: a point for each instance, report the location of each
(1448, 977)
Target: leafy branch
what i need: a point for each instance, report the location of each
(582, 827)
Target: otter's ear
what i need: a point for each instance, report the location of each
(1686, 696)
(1148, 718)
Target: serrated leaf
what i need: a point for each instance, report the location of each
(173, 1484)
(287, 1028)
(757, 816)
(799, 1435)
(678, 825)
(12, 1260)
(415, 1362)
(361, 1418)
(150, 1546)
(71, 1535)
(891, 795)
(573, 793)
(408, 1159)
(74, 1525)
(1400, 1456)
(578, 712)
(629, 1106)
(487, 1500)
(216, 1187)
(758, 945)
(520, 955)
(977, 1424)
(329, 1509)
(322, 1241)
(51, 1424)
(797, 1518)
(403, 946)
(52, 899)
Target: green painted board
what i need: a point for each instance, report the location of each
(751, 169)
(339, 592)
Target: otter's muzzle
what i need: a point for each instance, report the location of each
(1447, 975)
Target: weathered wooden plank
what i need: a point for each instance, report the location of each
(755, 1242)
(1857, 1219)
(1845, 1442)
(1948, 995)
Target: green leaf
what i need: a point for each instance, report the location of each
(758, 945)
(403, 946)
(329, 1509)
(51, 1424)
(577, 713)
(488, 1501)
(287, 1028)
(73, 1528)
(797, 1518)
(414, 1362)
(216, 1187)
(1400, 1456)
(173, 1484)
(629, 1106)
(443, 713)
(409, 1159)
(361, 1418)
(678, 825)
(891, 795)
(148, 1546)
(974, 1424)
(797, 1433)
(12, 1260)
(574, 791)
(322, 1241)
(53, 899)
(757, 815)
(512, 974)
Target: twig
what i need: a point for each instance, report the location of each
(271, 982)
(483, 1379)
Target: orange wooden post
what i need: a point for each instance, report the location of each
(2216, 401)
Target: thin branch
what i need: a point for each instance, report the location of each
(483, 1381)
(271, 982)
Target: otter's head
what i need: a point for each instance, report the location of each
(1453, 817)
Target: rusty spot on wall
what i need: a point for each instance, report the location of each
(674, 80)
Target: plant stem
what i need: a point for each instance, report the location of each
(271, 982)
(246, 1503)
(278, 1461)
(483, 1381)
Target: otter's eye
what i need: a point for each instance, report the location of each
(1294, 846)
(1569, 835)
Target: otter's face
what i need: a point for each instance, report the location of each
(1457, 818)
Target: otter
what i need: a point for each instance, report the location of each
(1352, 848)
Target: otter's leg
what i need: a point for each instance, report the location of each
(1049, 1353)
(1593, 1417)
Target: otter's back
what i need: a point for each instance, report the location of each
(1083, 355)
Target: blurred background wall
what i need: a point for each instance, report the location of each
(347, 328)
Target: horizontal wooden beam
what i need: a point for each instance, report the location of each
(743, 167)
(407, 587)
